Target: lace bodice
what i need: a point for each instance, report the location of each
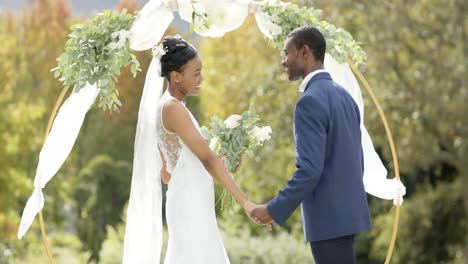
(169, 143)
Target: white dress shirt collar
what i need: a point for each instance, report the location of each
(307, 79)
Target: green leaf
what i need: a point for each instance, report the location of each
(87, 57)
(289, 17)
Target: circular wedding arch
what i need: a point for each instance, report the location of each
(209, 19)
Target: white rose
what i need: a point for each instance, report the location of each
(113, 45)
(214, 144)
(264, 133)
(275, 30)
(122, 34)
(268, 24)
(115, 34)
(125, 34)
(255, 132)
(158, 51)
(232, 121)
(122, 37)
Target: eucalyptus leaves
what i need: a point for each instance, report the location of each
(95, 53)
(287, 17)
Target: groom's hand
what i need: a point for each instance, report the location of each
(261, 216)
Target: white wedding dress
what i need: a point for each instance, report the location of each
(190, 201)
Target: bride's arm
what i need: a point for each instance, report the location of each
(165, 176)
(177, 119)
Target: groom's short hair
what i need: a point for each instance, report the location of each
(310, 36)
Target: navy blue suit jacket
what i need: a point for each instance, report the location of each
(328, 181)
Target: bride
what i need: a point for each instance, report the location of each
(188, 167)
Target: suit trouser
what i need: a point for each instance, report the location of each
(334, 251)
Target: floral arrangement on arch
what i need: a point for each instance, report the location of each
(281, 18)
(98, 48)
(94, 54)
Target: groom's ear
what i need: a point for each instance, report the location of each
(305, 51)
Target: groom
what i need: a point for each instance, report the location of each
(328, 181)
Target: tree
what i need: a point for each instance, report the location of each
(30, 43)
(417, 67)
(432, 215)
(102, 189)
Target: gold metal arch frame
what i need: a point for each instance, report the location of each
(49, 125)
(392, 147)
(374, 100)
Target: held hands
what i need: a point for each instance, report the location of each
(259, 214)
(249, 206)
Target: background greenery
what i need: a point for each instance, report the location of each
(416, 63)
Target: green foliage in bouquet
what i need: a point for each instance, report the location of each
(95, 53)
(232, 137)
(287, 17)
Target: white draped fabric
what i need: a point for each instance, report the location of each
(56, 148)
(144, 223)
(222, 15)
(375, 174)
(143, 233)
(150, 24)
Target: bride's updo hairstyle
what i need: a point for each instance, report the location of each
(178, 53)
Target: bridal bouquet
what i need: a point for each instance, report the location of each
(234, 136)
(237, 134)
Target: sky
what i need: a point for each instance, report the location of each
(87, 8)
(79, 7)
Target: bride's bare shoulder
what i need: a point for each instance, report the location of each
(173, 111)
(172, 107)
